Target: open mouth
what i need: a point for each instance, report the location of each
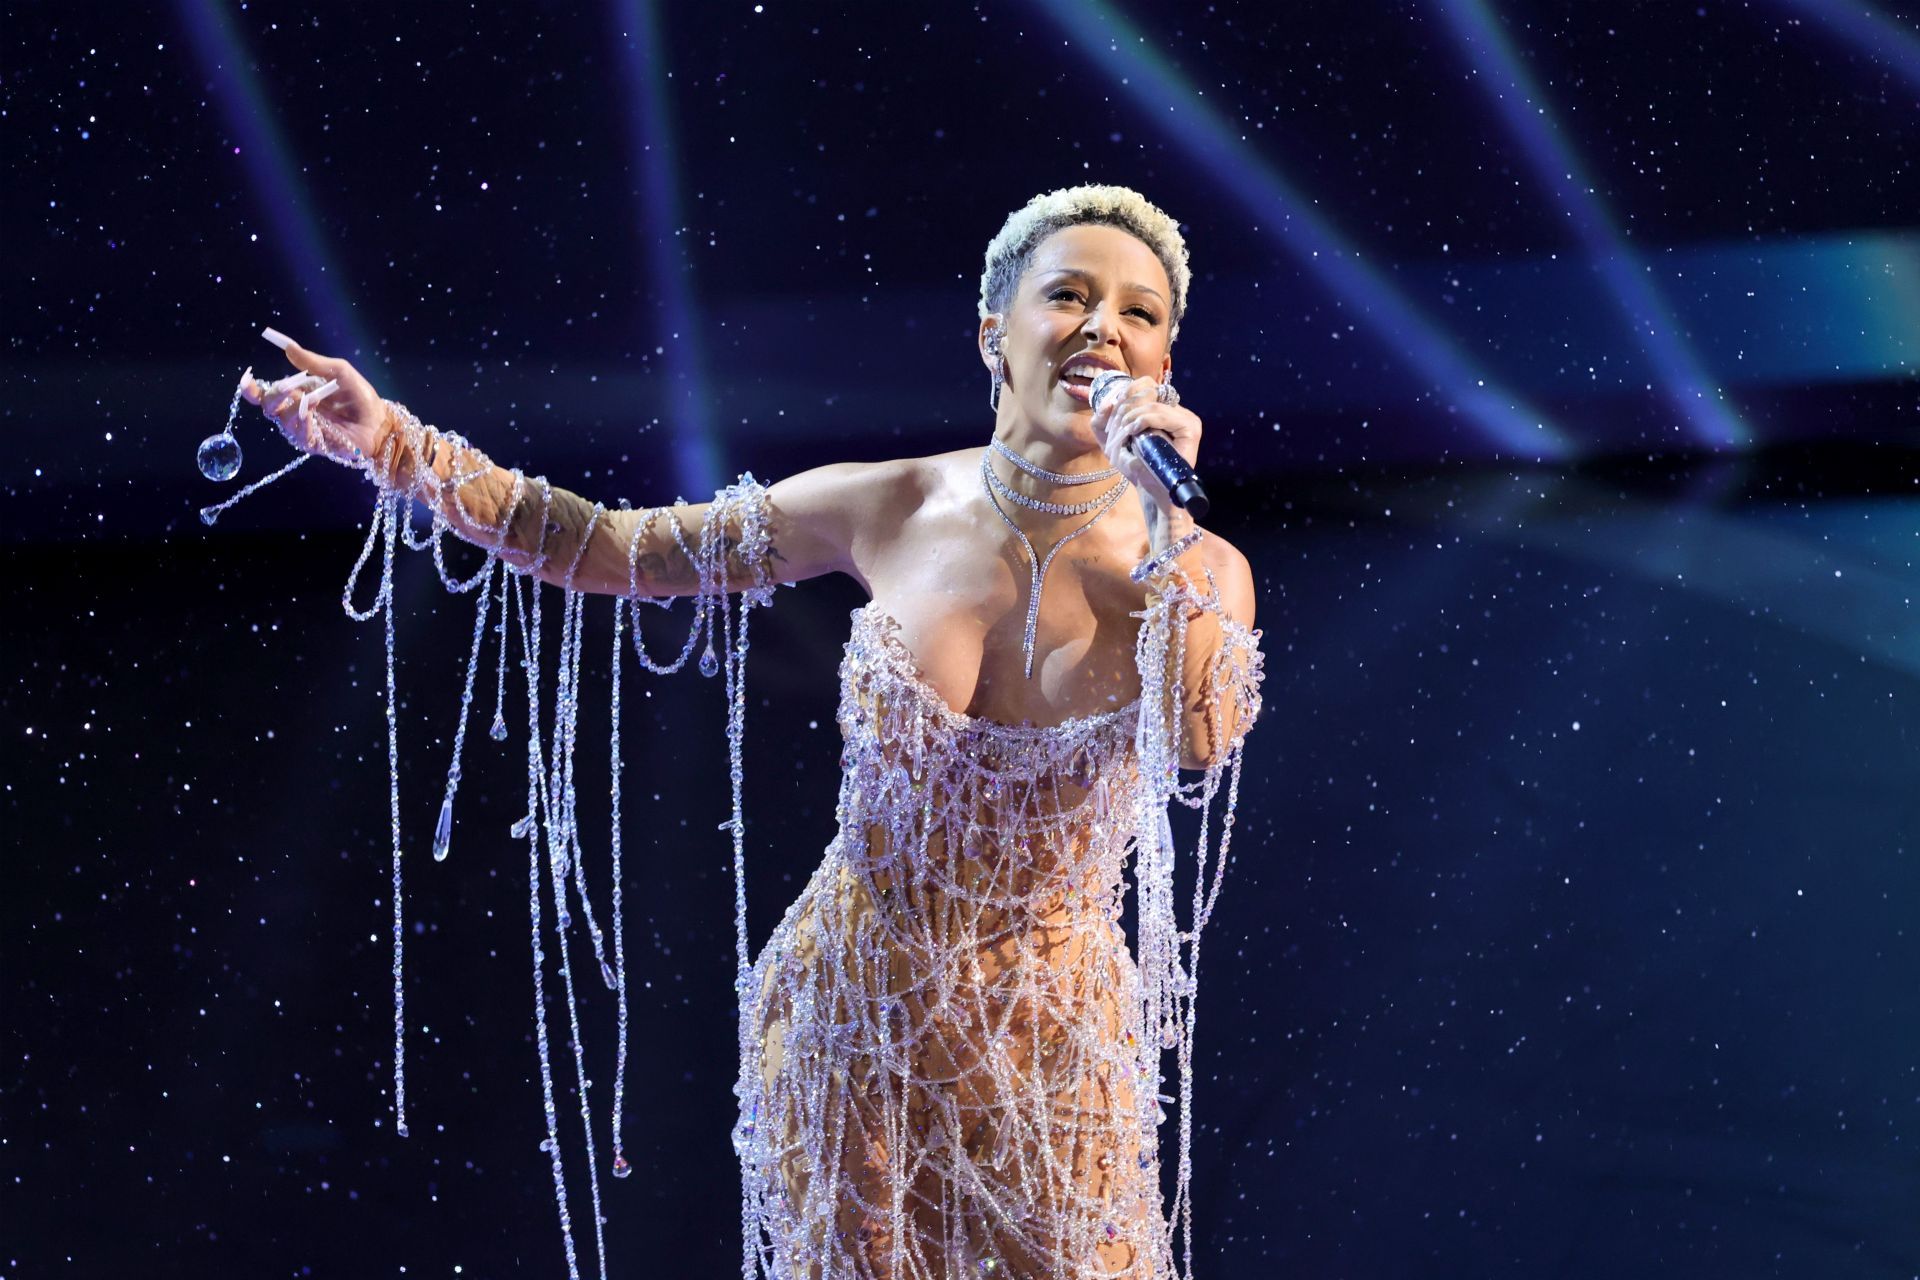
(1077, 379)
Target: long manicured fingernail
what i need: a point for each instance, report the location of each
(277, 338)
(322, 391)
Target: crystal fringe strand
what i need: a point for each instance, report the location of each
(1169, 957)
(383, 528)
(558, 831)
(1000, 823)
(528, 828)
(620, 1166)
(443, 829)
(551, 809)
(210, 514)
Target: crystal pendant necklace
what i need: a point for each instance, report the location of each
(1037, 567)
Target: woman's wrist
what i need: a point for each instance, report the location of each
(1166, 525)
(1163, 570)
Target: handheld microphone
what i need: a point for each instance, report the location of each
(1155, 449)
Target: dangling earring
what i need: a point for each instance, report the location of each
(999, 370)
(1165, 392)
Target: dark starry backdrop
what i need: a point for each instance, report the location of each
(1555, 360)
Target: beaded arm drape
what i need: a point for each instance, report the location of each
(950, 1063)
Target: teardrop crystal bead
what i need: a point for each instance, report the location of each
(443, 830)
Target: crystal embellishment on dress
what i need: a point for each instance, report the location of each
(732, 554)
(964, 1083)
(949, 1057)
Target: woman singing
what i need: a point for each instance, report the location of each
(950, 1059)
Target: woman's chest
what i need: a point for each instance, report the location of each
(966, 624)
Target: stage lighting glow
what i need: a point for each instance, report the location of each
(1174, 105)
(276, 183)
(692, 428)
(1529, 114)
(1867, 29)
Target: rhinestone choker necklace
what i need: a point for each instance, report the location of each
(1051, 477)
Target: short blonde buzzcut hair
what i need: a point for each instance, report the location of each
(1009, 252)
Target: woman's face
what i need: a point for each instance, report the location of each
(1093, 296)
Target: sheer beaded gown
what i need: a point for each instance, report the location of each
(950, 1057)
(957, 1078)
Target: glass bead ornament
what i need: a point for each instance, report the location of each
(443, 830)
(219, 456)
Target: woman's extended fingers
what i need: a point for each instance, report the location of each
(270, 393)
(282, 400)
(313, 366)
(354, 416)
(302, 359)
(291, 403)
(311, 398)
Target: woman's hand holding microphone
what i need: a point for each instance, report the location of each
(1138, 410)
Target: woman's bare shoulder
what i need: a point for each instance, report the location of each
(853, 507)
(1231, 573)
(906, 486)
(853, 489)
(956, 470)
(1221, 555)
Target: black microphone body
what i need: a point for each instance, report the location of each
(1156, 450)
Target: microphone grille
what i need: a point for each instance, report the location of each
(1107, 382)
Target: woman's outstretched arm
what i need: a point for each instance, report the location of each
(812, 519)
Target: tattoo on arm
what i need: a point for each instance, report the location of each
(670, 567)
(658, 570)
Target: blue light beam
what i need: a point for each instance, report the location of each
(1860, 24)
(693, 431)
(1212, 142)
(1498, 71)
(277, 182)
